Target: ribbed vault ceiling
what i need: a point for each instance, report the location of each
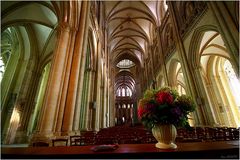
(35, 22)
(130, 25)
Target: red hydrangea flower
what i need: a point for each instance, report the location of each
(141, 111)
(164, 97)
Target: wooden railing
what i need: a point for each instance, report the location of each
(193, 150)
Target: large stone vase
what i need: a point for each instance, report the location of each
(165, 135)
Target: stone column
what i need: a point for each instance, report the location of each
(40, 95)
(201, 102)
(116, 112)
(91, 101)
(26, 107)
(87, 118)
(98, 88)
(214, 101)
(62, 102)
(162, 59)
(6, 123)
(187, 70)
(85, 102)
(135, 101)
(79, 50)
(101, 105)
(230, 108)
(55, 83)
(229, 31)
(105, 99)
(94, 91)
(107, 103)
(112, 109)
(128, 114)
(151, 67)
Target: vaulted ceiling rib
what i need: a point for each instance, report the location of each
(131, 20)
(129, 24)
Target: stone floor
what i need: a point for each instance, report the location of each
(14, 145)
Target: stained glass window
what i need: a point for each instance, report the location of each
(125, 63)
(124, 91)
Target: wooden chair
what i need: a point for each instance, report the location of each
(75, 140)
(209, 134)
(59, 142)
(89, 140)
(236, 133)
(200, 133)
(104, 140)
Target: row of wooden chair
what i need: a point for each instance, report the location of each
(208, 134)
(55, 142)
(138, 135)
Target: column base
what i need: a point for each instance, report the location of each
(21, 137)
(69, 133)
(42, 137)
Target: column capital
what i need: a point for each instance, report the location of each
(63, 26)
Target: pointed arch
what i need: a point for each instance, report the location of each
(193, 55)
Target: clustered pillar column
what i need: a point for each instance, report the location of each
(79, 50)
(162, 59)
(26, 106)
(57, 115)
(87, 119)
(189, 77)
(62, 102)
(54, 86)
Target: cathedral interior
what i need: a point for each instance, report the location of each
(72, 66)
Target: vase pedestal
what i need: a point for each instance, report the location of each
(165, 146)
(165, 135)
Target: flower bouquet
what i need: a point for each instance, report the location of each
(165, 106)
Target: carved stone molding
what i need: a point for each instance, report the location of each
(168, 40)
(189, 11)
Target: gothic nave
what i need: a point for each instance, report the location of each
(72, 66)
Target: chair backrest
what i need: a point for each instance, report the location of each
(60, 142)
(75, 140)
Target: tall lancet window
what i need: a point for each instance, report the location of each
(6, 50)
(123, 92)
(2, 68)
(233, 81)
